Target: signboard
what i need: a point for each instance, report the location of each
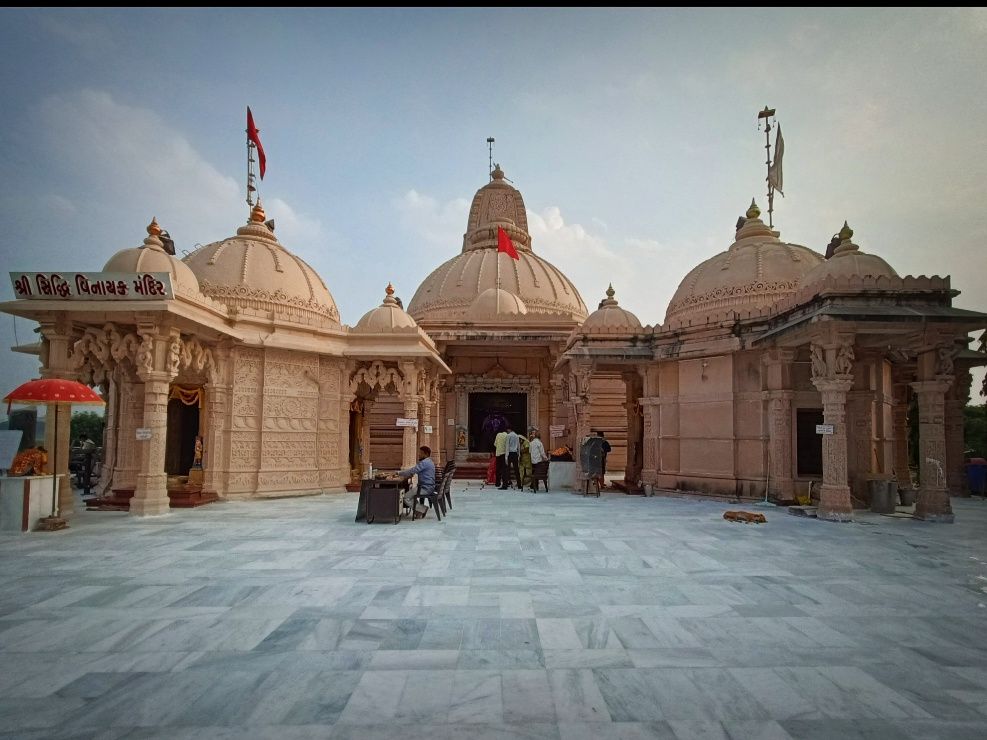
(451, 422)
(407, 423)
(10, 441)
(557, 430)
(428, 429)
(92, 286)
(824, 428)
(143, 433)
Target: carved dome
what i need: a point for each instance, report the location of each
(151, 257)
(847, 262)
(453, 287)
(387, 317)
(495, 304)
(610, 318)
(756, 271)
(255, 276)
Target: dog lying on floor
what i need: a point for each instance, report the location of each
(744, 516)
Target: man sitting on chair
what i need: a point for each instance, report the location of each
(425, 470)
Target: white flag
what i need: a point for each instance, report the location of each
(774, 171)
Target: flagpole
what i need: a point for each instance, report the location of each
(766, 115)
(250, 172)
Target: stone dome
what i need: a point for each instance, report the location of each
(452, 288)
(756, 271)
(495, 304)
(255, 276)
(387, 317)
(847, 262)
(610, 318)
(152, 257)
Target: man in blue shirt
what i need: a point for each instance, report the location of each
(513, 458)
(425, 470)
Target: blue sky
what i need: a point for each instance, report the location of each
(631, 133)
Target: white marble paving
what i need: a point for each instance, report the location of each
(551, 617)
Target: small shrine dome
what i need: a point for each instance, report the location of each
(610, 318)
(152, 257)
(496, 304)
(848, 261)
(386, 317)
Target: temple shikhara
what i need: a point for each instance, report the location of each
(776, 371)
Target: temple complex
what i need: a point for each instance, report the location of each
(777, 372)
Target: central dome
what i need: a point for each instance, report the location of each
(452, 288)
(255, 276)
(756, 271)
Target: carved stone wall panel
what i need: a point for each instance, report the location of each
(244, 451)
(285, 451)
(281, 480)
(242, 482)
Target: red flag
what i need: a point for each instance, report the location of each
(254, 136)
(505, 245)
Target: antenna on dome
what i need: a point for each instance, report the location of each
(490, 143)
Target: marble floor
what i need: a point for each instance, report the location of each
(518, 616)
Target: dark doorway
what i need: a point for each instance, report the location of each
(808, 443)
(183, 427)
(490, 413)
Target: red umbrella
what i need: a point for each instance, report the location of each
(59, 392)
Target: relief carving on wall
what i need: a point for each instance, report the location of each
(377, 376)
(945, 356)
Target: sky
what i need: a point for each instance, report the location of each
(631, 133)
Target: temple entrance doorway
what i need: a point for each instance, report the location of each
(808, 443)
(490, 413)
(183, 428)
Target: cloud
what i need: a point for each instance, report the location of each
(128, 164)
(440, 225)
(91, 36)
(644, 272)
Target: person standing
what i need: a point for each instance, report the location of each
(603, 463)
(538, 458)
(500, 451)
(513, 457)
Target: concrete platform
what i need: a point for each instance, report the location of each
(517, 616)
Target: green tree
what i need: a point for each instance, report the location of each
(89, 423)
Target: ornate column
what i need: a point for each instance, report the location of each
(635, 427)
(899, 417)
(157, 365)
(956, 399)
(778, 381)
(411, 398)
(217, 394)
(936, 376)
(57, 339)
(831, 366)
(581, 398)
(462, 421)
(861, 429)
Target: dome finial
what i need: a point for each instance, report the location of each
(846, 232)
(498, 173)
(610, 292)
(389, 289)
(753, 211)
(257, 214)
(152, 228)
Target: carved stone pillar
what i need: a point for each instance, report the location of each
(899, 416)
(110, 434)
(635, 427)
(462, 422)
(57, 339)
(834, 497)
(214, 447)
(581, 397)
(650, 425)
(780, 444)
(157, 366)
(932, 503)
(956, 400)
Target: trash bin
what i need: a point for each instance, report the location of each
(883, 495)
(976, 476)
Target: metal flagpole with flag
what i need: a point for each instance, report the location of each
(774, 171)
(253, 142)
